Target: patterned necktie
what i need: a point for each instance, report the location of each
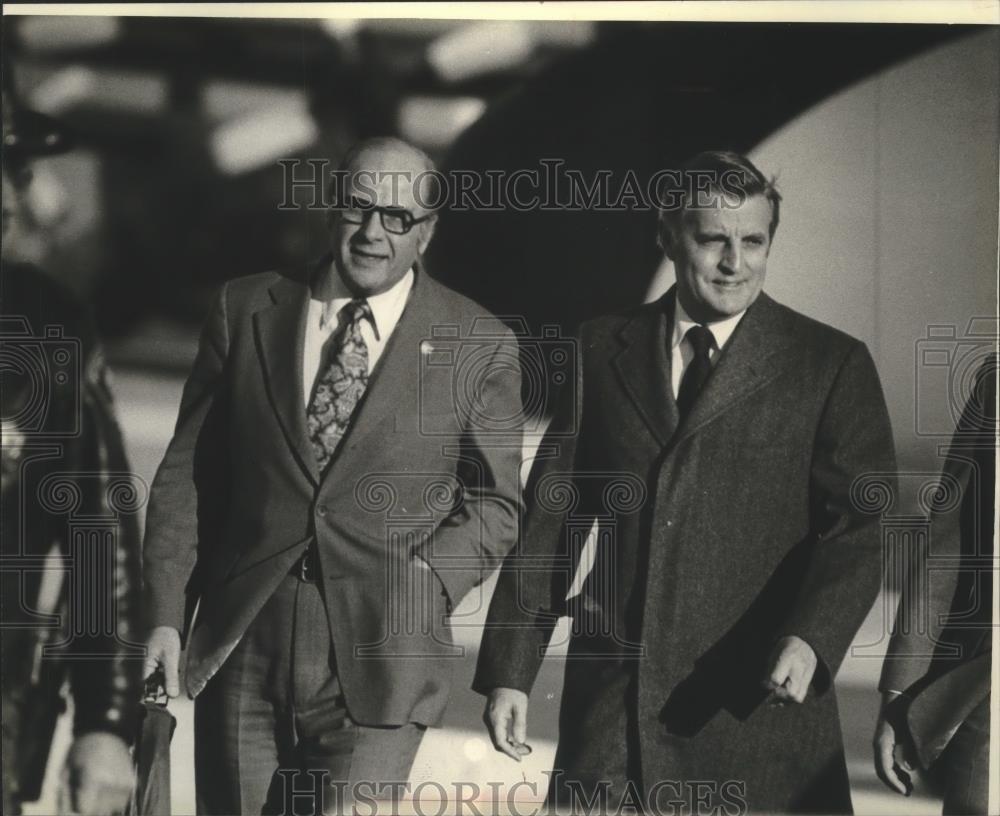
(701, 340)
(341, 385)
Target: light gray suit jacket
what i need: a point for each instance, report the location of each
(429, 466)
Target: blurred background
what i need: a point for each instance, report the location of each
(883, 139)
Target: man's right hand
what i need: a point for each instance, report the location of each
(506, 717)
(163, 649)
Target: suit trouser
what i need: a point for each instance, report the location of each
(272, 727)
(964, 765)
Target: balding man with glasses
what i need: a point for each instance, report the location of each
(326, 501)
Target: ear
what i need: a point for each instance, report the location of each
(426, 233)
(665, 238)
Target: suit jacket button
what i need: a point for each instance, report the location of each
(321, 510)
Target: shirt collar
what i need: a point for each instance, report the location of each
(721, 330)
(387, 307)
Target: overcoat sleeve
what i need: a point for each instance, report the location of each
(844, 575)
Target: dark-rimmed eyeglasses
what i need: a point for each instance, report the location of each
(396, 220)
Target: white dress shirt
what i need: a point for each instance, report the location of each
(682, 352)
(322, 321)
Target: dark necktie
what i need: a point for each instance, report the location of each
(698, 369)
(341, 385)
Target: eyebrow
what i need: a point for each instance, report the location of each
(354, 201)
(702, 234)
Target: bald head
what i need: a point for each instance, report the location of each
(386, 149)
(390, 170)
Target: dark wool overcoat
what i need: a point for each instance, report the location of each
(716, 537)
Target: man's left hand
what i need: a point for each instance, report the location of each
(98, 777)
(791, 669)
(893, 748)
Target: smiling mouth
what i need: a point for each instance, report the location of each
(370, 255)
(725, 284)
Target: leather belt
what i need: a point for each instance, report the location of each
(307, 567)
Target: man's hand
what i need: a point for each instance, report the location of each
(98, 776)
(792, 665)
(892, 751)
(163, 649)
(506, 717)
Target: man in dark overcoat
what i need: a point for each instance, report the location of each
(715, 437)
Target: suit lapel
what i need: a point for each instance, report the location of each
(280, 330)
(643, 366)
(747, 363)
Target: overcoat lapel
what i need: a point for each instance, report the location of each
(280, 330)
(643, 366)
(751, 359)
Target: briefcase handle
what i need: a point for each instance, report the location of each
(155, 689)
